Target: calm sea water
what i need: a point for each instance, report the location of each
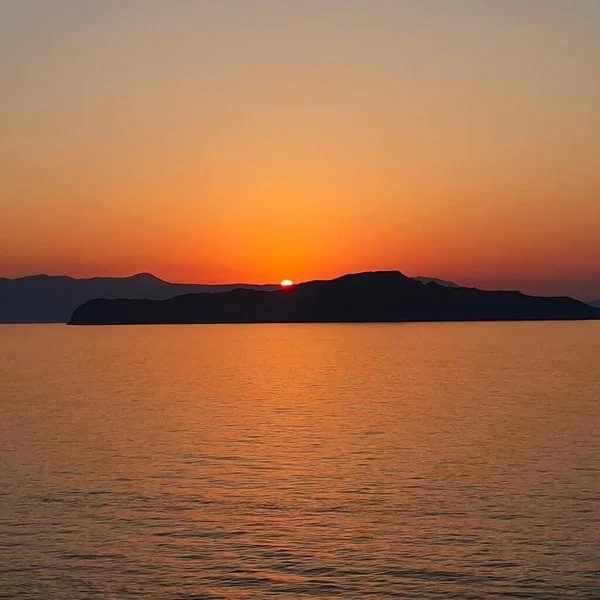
(300, 461)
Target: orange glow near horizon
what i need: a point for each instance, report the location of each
(232, 142)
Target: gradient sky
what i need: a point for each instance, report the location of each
(256, 140)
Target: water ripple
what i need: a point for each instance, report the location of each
(247, 462)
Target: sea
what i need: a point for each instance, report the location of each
(300, 461)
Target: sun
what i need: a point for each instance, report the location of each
(287, 283)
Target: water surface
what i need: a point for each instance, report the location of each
(300, 461)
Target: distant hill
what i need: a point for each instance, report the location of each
(383, 296)
(595, 303)
(50, 299)
(442, 282)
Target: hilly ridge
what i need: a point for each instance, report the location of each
(52, 299)
(383, 296)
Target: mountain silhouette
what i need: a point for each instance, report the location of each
(383, 296)
(595, 303)
(52, 299)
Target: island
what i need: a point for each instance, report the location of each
(380, 296)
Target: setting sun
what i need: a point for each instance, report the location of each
(287, 283)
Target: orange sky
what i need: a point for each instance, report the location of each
(256, 140)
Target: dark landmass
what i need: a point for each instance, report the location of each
(48, 299)
(386, 296)
(595, 303)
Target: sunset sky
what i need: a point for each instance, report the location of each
(214, 141)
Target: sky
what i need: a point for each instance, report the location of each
(214, 141)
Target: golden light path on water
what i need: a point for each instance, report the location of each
(419, 461)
